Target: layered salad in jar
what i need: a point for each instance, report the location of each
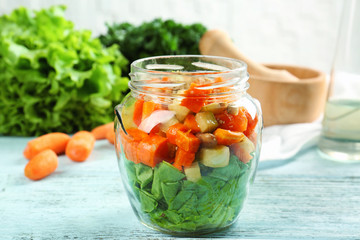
(187, 162)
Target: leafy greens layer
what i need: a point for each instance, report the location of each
(173, 203)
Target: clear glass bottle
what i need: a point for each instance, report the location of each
(340, 139)
(188, 139)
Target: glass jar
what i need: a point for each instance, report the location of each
(340, 138)
(188, 139)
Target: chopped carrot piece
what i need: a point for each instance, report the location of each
(136, 134)
(152, 150)
(225, 120)
(55, 141)
(251, 123)
(41, 165)
(178, 166)
(183, 159)
(101, 131)
(80, 146)
(131, 141)
(227, 137)
(191, 123)
(237, 123)
(241, 120)
(124, 139)
(138, 109)
(187, 141)
(173, 129)
(172, 151)
(132, 147)
(148, 108)
(195, 98)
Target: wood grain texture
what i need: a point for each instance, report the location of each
(281, 102)
(307, 198)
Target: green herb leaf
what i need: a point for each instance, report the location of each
(148, 202)
(144, 174)
(154, 38)
(170, 190)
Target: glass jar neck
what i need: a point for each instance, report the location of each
(173, 76)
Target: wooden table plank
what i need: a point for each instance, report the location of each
(309, 197)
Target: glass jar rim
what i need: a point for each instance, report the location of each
(240, 67)
(230, 74)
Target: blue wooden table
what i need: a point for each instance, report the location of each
(306, 197)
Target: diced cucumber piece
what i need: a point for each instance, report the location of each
(215, 157)
(127, 116)
(180, 111)
(214, 108)
(243, 150)
(193, 172)
(233, 110)
(165, 126)
(206, 121)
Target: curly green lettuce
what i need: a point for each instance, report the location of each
(53, 77)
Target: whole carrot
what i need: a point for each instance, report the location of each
(41, 165)
(55, 141)
(110, 136)
(101, 131)
(80, 146)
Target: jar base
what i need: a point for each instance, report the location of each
(339, 150)
(187, 234)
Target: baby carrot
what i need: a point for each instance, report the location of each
(101, 131)
(110, 136)
(80, 146)
(55, 141)
(41, 165)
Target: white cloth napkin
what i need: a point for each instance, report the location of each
(282, 142)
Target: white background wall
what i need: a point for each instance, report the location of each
(299, 32)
